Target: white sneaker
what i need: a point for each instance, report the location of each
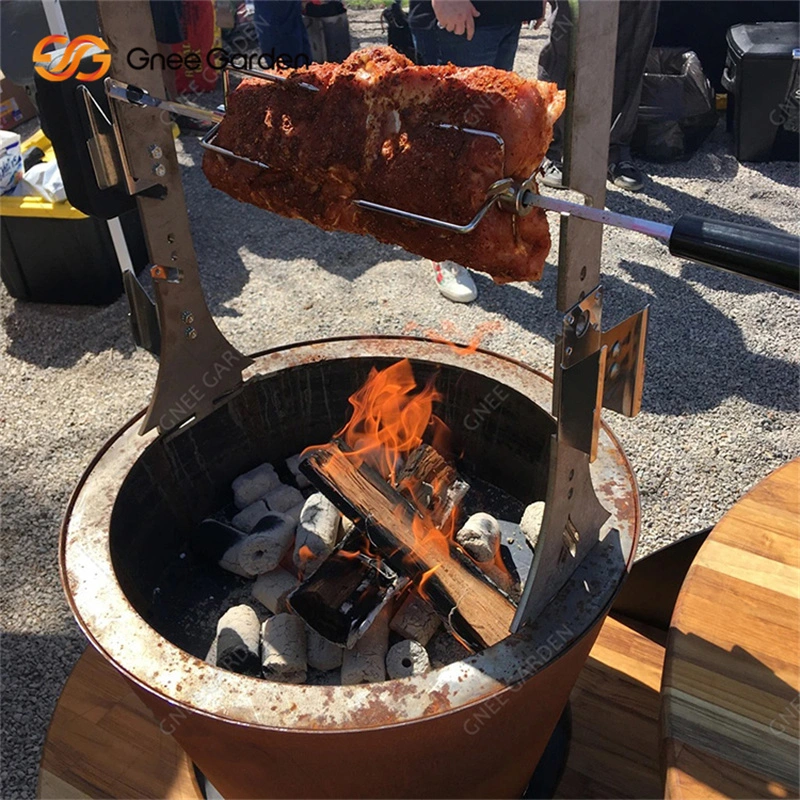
(454, 282)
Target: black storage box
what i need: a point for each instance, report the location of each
(54, 253)
(72, 261)
(761, 77)
(677, 109)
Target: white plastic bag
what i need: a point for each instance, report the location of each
(10, 161)
(44, 179)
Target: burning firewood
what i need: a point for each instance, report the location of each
(431, 483)
(342, 598)
(472, 607)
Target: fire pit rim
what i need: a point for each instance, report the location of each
(450, 689)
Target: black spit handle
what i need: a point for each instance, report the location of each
(765, 255)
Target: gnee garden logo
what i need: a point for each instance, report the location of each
(70, 60)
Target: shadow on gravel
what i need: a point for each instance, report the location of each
(59, 336)
(678, 203)
(696, 355)
(34, 669)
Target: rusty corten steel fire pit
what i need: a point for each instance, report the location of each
(475, 728)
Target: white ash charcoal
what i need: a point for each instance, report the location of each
(407, 658)
(262, 550)
(480, 537)
(531, 522)
(283, 649)
(346, 526)
(294, 513)
(322, 654)
(271, 589)
(249, 517)
(316, 533)
(366, 661)
(416, 619)
(254, 485)
(220, 543)
(238, 641)
(293, 463)
(282, 498)
(444, 649)
(211, 655)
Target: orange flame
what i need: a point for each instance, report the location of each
(392, 416)
(389, 418)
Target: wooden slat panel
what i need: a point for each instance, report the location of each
(103, 742)
(615, 709)
(731, 674)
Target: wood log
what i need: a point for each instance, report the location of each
(471, 606)
(430, 482)
(341, 599)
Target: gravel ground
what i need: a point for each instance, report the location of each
(721, 403)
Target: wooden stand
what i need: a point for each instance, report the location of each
(103, 742)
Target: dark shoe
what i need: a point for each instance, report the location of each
(626, 175)
(552, 174)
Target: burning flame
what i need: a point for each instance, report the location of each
(390, 417)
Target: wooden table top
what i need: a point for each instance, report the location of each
(730, 702)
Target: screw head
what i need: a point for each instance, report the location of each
(155, 151)
(190, 333)
(187, 317)
(160, 170)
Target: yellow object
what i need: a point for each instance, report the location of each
(722, 102)
(37, 206)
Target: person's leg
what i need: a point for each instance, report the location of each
(553, 67)
(637, 28)
(281, 31)
(426, 43)
(492, 45)
(507, 47)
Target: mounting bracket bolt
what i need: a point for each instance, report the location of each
(187, 317)
(155, 151)
(190, 333)
(160, 170)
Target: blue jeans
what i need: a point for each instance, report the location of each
(281, 32)
(492, 45)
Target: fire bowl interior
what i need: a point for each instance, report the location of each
(130, 518)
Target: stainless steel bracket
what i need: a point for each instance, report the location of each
(198, 367)
(102, 145)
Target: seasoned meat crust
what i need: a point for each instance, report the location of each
(372, 132)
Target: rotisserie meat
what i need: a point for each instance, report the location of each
(373, 132)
